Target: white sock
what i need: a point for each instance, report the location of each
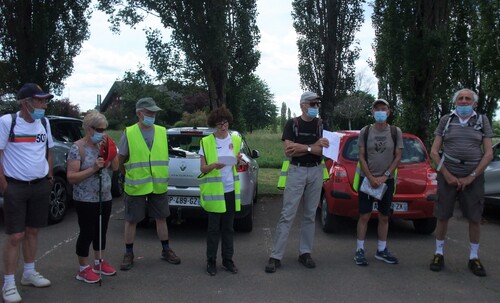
(29, 268)
(439, 246)
(381, 245)
(474, 249)
(360, 244)
(82, 268)
(8, 279)
(96, 262)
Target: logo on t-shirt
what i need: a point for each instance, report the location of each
(380, 144)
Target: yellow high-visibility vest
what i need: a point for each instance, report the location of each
(284, 173)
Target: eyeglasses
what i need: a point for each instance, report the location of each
(222, 124)
(314, 104)
(99, 130)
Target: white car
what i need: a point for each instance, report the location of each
(492, 178)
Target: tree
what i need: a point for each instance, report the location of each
(63, 108)
(325, 42)
(38, 41)
(283, 115)
(258, 110)
(355, 107)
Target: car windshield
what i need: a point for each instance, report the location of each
(413, 151)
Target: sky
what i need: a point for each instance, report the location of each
(105, 57)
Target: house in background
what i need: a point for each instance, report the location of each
(113, 97)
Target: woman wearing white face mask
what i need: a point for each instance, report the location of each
(90, 161)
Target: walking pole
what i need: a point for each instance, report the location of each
(100, 227)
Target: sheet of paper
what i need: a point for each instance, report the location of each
(228, 160)
(332, 151)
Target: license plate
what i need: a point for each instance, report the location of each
(396, 206)
(183, 201)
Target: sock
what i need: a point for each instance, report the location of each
(360, 244)
(96, 261)
(381, 245)
(82, 268)
(439, 246)
(474, 248)
(8, 279)
(29, 268)
(165, 245)
(129, 247)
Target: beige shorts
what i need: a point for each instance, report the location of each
(136, 206)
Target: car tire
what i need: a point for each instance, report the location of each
(117, 184)
(425, 226)
(244, 224)
(58, 200)
(329, 222)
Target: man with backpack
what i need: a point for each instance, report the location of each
(380, 148)
(304, 178)
(25, 181)
(465, 139)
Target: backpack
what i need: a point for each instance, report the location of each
(319, 129)
(478, 125)
(12, 136)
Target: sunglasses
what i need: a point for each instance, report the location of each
(99, 130)
(314, 104)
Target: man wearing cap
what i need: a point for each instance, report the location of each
(378, 159)
(25, 181)
(143, 157)
(304, 145)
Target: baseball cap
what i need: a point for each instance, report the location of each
(147, 103)
(309, 96)
(32, 90)
(380, 101)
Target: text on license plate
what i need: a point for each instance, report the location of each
(396, 206)
(183, 201)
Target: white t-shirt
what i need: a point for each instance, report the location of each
(225, 148)
(25, 158)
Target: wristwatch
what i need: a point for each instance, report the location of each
(309, 148)
(473, 174)
(387, 174)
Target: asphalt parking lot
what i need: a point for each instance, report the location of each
(336, 278)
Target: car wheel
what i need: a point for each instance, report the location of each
(425, 226)
(245, 224)
(117, 184)
(329, 222)
(58, 200)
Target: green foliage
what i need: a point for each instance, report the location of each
(63, 108)
(38, 41)
(283, 115)
(198, 118)
(268, 179)
(354, 111)
(270, 147)
(496, 127)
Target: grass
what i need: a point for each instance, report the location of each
(269, 146)
(268, 179)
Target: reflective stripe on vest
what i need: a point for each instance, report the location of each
(146, 171)
(284, 173)
(211, 186)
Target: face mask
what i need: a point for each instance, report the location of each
(312, 112)
(148, 121)
(38, 113)
(96, 137)
(464, 111)
(380, 116)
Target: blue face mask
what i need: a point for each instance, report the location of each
(380, 116)
(464, 111)
(148, 121)
(312, 112)
(38, 113)
(96, 137)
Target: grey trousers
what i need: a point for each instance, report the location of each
(301, 182)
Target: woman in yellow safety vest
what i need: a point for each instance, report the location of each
(220, 187)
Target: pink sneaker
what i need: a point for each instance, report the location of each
(88, 276)
(106, 269)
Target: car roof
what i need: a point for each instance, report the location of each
(353, 133)
(193, 130)
(52, 117)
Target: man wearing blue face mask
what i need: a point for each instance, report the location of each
(25, 174)
(304, 178)
(465, 139)
(143, 157)
(379, 156)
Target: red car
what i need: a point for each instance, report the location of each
(415, 188)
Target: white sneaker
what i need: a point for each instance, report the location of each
(35, 279)
(10, 294)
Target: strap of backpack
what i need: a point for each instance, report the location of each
(12, 136)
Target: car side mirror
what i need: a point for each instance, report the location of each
(255, 154)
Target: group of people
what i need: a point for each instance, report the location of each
(142, 155)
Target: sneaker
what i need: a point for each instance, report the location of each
(128, 261)
(477, 268)
(169, 256)
(35, 279)
(88, 276)
(359, 257)
(386, 256)
(229, 266)
(307, 261)
(10, 294)
(272, 264)
(211, 267)
(106, 269)
(437, 262)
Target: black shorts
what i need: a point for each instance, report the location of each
(156, 205)
(26, 205)
(384, 206)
